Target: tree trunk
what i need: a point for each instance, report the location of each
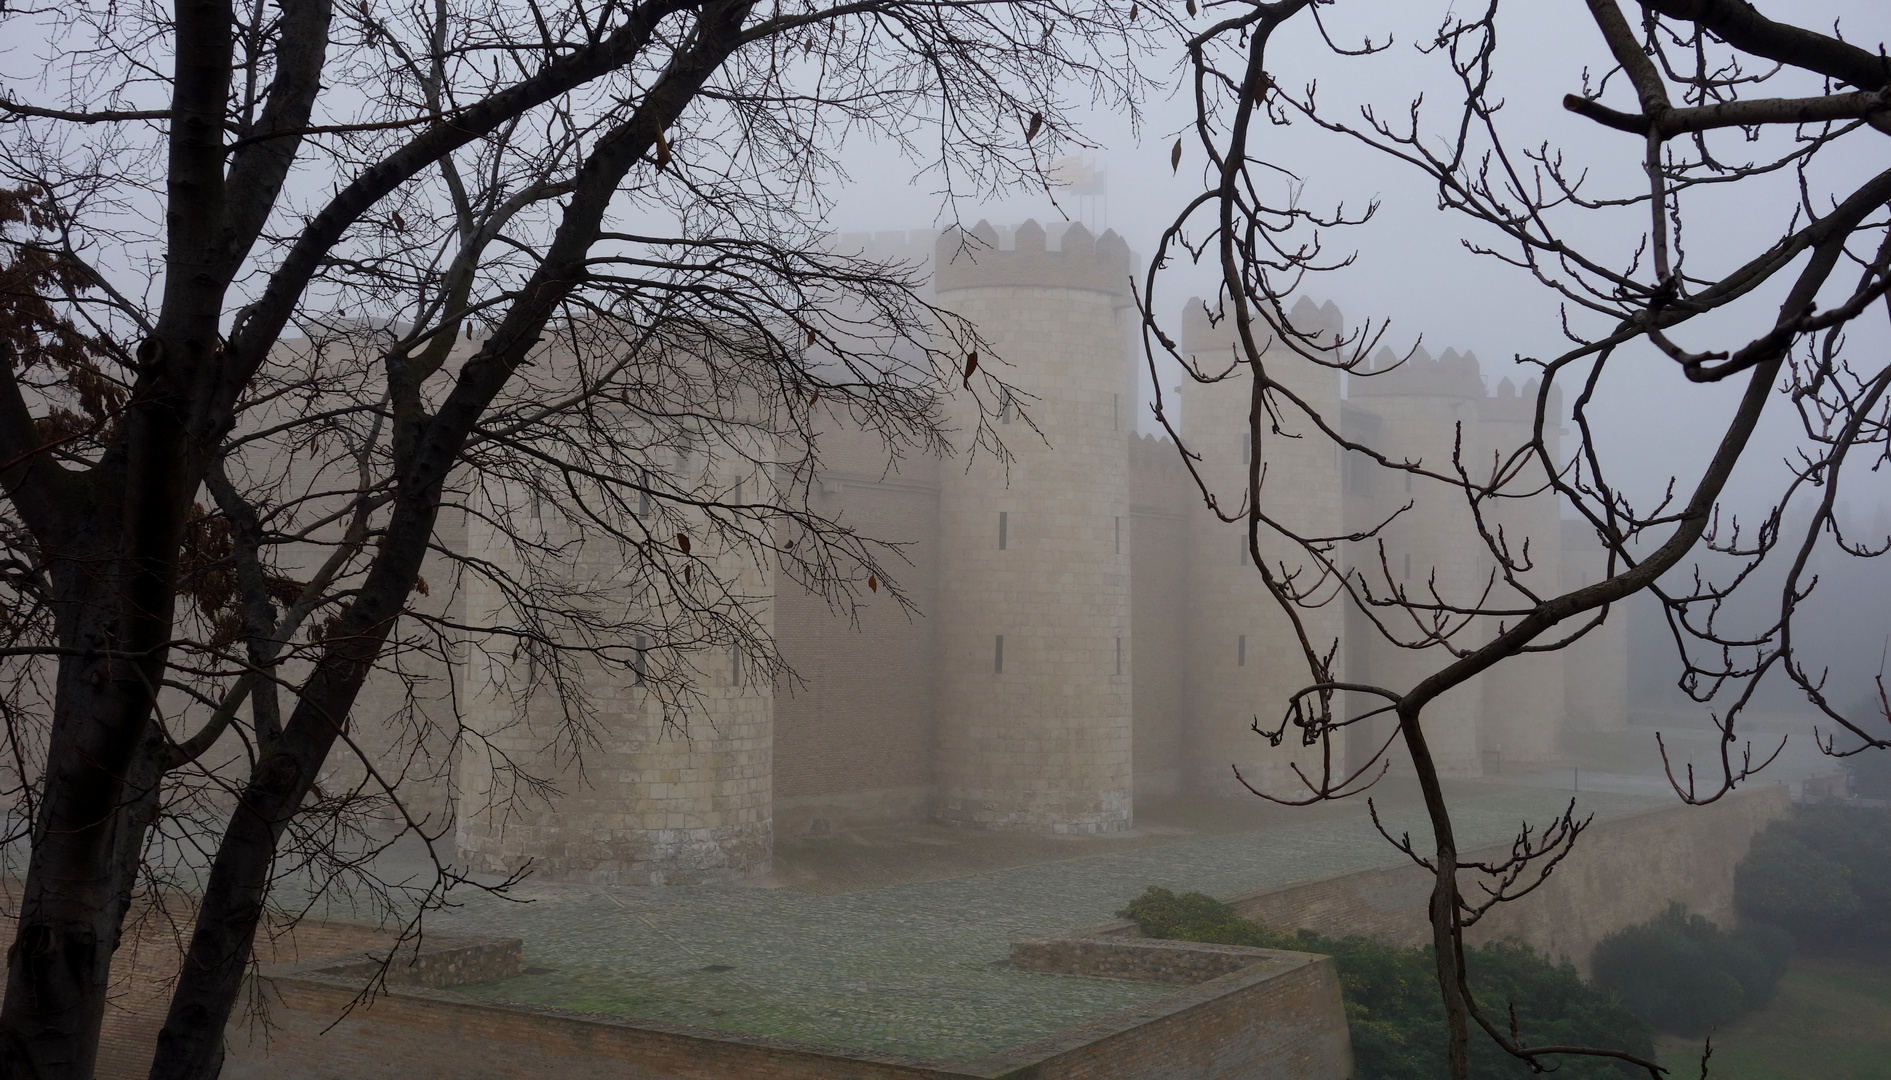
(190, 1046)
(83, 866)
(1446, 936)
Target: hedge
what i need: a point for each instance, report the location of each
(1393, 1010)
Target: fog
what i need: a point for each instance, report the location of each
(889, 800)
(1414, 272)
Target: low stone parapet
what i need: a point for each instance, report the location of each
(437, 962)
(1181, 963)
(1237, 1014)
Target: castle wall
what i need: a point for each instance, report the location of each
(898, 715)
(637, 796)
(644, 788)
(1621, 872)
(405, 721)
(1161, 498)
(403, 730)
(854, 733)
(1595, 689)
(1035, 647)
(1416, 410)
(1524, 696)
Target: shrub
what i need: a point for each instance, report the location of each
(1393, 1011)
(1823, 874)
(1198, 917)
(1683, 974)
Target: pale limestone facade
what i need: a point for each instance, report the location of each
(1139, 643)
(1439, 413)
(643, 798)
(1245, 659)
(1034, 722)
(642, 791)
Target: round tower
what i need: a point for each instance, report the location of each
(1412, 412)
(1034, 716)
(642, 792)
(1524, 697)
(1244, 658)
(1595, 676)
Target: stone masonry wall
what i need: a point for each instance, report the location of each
(643, 789)
(1245, 659)
(1161, 499)
(855, 741)
(1523, 696)
(1622, 872)
(1416, 407)
(854, 734)
(1591, 703)
(1035, 646)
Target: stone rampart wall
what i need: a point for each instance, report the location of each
(1182, 963)
(443, 960)
(854, 731)
(1158, 544)
(1622, 872)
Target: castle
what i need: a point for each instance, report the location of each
(1089, 634)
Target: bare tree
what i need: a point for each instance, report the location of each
(291, 290)
(1684, 85)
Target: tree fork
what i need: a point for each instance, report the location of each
(190, 1045)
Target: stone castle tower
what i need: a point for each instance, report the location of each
(1245, 657)
(1438, 412)
(1035, 722)
(1089, 635)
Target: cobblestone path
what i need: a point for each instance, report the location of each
(916, 969)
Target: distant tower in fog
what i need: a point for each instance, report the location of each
(1413, 412)
(1243, 656)
(1524, 700)
(1418, 410)
(1034, 638)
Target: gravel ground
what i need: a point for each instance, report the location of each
(917, 968)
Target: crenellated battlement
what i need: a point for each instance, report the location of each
(1155, 453)
(1157, 481)
(909, 248)
(1201, 334)
(1509, 405)
(976, 258)
(1452, 374)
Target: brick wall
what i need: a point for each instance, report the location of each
(428, 1035)
(148, 959)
